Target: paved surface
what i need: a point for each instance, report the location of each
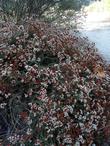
(97, 28)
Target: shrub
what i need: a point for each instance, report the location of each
(49, 91)
(19, 9)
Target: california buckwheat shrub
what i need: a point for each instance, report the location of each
(54, 88)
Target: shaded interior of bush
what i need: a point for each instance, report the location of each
(47, 58)
(10, 122)
(3, 124)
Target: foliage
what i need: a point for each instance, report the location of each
(65, 19)
(20, 9)
(51, 92)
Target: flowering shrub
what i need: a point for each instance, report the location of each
(54, 88)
